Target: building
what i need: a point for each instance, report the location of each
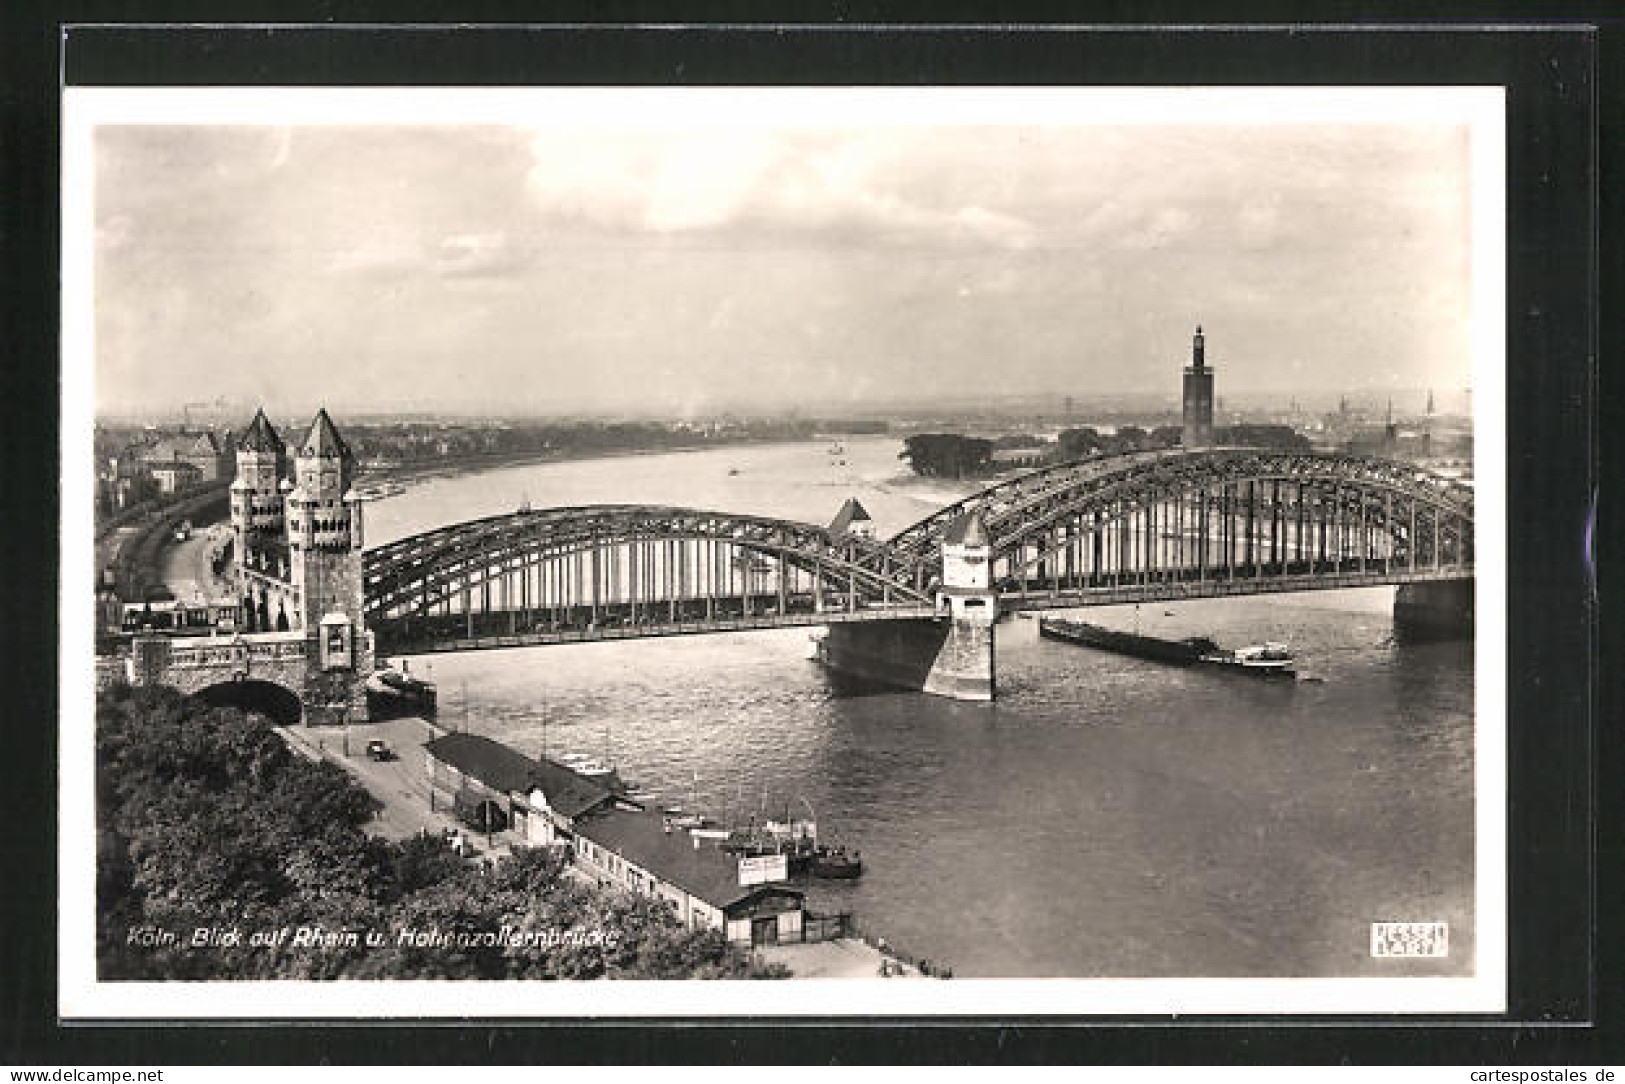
(200, 451)
(706, 887)
(1019, 458)
(610, 837)
(499, 788)
(1198, 398)
(174, 475)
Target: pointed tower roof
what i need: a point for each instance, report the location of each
(851, 512)
(323, 440)
(261, 436)
(968, 530)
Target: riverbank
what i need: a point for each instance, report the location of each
(406, 810)
(464, 466)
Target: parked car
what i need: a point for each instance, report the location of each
(377, 750)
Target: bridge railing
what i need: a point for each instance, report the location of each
(396, 639)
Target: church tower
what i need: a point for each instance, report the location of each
(325, 538)
(1198, 418)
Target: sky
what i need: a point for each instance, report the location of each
(682, 267)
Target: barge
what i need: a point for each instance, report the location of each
(1263, 660)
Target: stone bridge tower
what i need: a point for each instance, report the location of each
(325, 537)
(260, 553)
(297, 566)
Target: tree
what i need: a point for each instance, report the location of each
(1278, 437)
(207, 821)
(947, 455)
(1081, 442)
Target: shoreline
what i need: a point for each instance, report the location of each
(415, 473)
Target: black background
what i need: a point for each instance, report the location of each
(1565, 146)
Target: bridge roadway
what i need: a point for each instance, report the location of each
(393, 639)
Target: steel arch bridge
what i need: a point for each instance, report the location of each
(601, 572)
(1141, 526)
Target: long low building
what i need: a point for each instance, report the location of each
(613, 839)
(642, 852)
(498, 788)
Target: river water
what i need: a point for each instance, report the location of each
(1107, 816)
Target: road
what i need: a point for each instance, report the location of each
(401, 784)
(186, 568)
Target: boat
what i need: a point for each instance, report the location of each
(836, 864)
(1268, 659)
(1180, 652)
(691, 820)
(585, 764)
(392, 693)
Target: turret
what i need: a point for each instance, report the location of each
(853, 519)
(319, 517)
(967, 552)
(966, 593)
(256, 500)
(324, 543)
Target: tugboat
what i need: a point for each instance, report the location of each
(1267, 659)
(392, 693)
(836, 865)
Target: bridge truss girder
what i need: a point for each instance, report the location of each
(428, 570)
(1076, 481)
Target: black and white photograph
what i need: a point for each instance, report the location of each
(791, 551)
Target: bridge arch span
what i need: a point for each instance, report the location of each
(1248, 513)
(1035, 500)
(600, 558)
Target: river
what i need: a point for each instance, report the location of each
(1107, 816)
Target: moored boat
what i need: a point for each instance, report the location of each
(836, 864)
(585, 764)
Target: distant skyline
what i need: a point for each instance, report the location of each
(681, 264)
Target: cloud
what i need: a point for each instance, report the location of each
(819, 185)
(377, 255)
(472, 255)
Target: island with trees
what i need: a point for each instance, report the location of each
(956, 456)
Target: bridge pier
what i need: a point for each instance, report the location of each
(943, 656)
(950, 655)
(1441, 609)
